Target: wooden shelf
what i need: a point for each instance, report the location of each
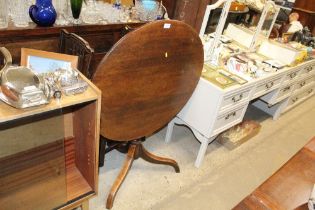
(29, 172)
(76, 184)
(304, 10)
(28, 177)
(34, 30)
(8, 113)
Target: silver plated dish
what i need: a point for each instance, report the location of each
(20, 86)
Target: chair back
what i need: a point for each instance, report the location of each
(72, 44)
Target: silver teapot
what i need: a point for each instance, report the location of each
(20, 86)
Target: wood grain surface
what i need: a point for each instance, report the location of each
(289, 188)
(306, 11)
(26, 178)
(188, 11)
(147, 77)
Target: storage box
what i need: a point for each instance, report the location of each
(239, 134)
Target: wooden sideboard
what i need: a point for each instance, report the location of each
(100, 37)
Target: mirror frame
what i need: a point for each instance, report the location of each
(223, 17)
(221, 23)
(269, 4)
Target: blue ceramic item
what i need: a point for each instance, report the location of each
(43, 13)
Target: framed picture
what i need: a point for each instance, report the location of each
(286, 37)
(44, 62)
(217, 76)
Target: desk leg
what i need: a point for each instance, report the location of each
(203, 140)
(203, 148)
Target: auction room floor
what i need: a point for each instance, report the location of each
(225, 176)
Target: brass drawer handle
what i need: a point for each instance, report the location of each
(236, 99)
(269, 85)
(295, 99)
(286, 89)
(302, 84)
(230, 115)
(292, 75)
(309, 68)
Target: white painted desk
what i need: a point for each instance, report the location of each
(212, 110)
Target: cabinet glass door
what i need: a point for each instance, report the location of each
(32, 162)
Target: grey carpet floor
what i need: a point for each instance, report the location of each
(225, 177)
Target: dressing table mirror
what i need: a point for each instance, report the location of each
(256, 27)
(266, 22)
(211, 41)
(240, 25)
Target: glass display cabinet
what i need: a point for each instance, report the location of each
(49, 154)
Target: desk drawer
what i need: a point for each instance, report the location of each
(289, 77)
(279, 94)
(229, 118)
(285, 91)
(304, 82)
(299, 97)
(308, 69)
(267, 86)
(231, 100)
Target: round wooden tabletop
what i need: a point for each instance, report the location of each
(147, 77)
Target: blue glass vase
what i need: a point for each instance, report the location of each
(43, 13)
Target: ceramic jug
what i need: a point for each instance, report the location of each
(43, 13)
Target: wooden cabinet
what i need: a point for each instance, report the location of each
(306, 10)
(49, 154)
(189, 11)
(100, 37)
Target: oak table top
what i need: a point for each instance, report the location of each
(146, 80)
